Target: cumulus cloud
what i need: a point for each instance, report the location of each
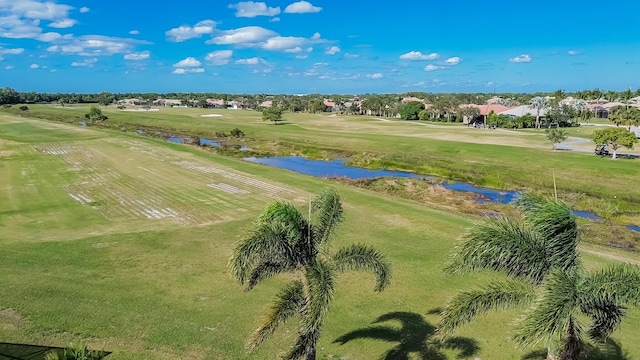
(188, 62)
(134, 32)
(16, 51)
(63, 24)
(302, 7)
(250, 9)
(453, 61)
(524, 58)
(432, 67)
(84, 9)
(33, 9)
(94, 45)
(8, 67)
(220, 57)
(251, 61)
(332, 50)
(573, 52)
(302, 57)
(85, 62)
(185, 32)
(351, 56)
(143, 55)
(417, 55)
(375, 76)
(284, 43)
(249, 35)
(182, 71)
(34, 66)
(274, 19)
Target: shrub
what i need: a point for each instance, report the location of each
(235, 132)
(24, 108)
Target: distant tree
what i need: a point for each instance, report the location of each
(615, 138)
(273, 114)
(235, 132)
(95, 114)
(284, 240)
(24, 108)
(105, 98)
(539, 104)
(411, 110)
(556, 136)
(621, 115)
(469, 113)
(9, 96)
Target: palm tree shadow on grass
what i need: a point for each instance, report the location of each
(415, 336)
(610, 350)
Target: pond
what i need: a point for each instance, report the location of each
(337, 168)
(205, 141)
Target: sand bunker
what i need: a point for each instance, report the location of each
(211, 115)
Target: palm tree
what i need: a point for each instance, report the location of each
(283, 240)
(539, 253)
(539, 103)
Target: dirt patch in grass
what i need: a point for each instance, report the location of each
(10, 319)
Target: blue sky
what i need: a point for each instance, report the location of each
(321, 46)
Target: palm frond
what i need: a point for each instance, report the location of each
(320, 287)
(496, 295)
(557, 225)
(267, 269)
(620, 282)
(502, 245)
(362, 257)
(552, 317)
(328, 214)
(265, 241)
(605, 313)
(288, 302)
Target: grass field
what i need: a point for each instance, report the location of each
(122, 241)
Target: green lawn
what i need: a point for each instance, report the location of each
(135, 262)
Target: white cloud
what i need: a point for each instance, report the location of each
(524, 58)
(84, 9)
(249, 35)
(453, 61)
(134, 32)
(301, 57)
(351, 56)
(185, 32)
(274, 19)
(94, 45)
(573, 52)
(284, 43)
(49, 37)
(85, 62)
(33, 9)
(188, 62)
(332, 50)
(63, 24)
(8, 67)
(34, 66)
(417, 55)
(182, 71)
(16, 51)
(251, 61)
(143, 55)
(14, 27)
(432, 67)
(220, 57)
(375, 76)
(250, 9)
(302, 7)
(320, 64)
